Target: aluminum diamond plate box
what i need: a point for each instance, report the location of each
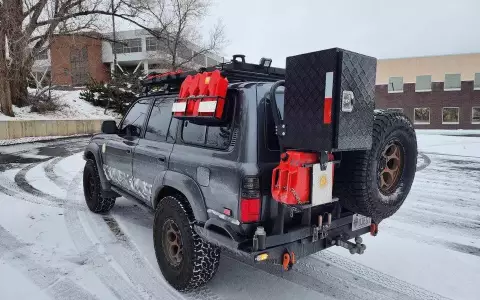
(329, 100)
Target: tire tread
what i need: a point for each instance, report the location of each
(206, 256)
(353, 178)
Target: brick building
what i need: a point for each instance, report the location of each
(74, 59)
(436, 92)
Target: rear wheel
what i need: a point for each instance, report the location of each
(92, 189)
(376, 182)
(185, 259)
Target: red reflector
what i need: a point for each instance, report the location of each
(249, 210)
(227, 212)
(327, 111)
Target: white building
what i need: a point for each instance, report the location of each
(74, 59)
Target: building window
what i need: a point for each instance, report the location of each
(395, 85)
(395, 109)
(184, 52)
(421, 115)
(423, 83)
(476, 82)
(43, 55)
(155, 44)
(476, 115)
(211, 62)
(199, 59)
(453, 82)
(154, 66)
(128, 46)
(450, 115)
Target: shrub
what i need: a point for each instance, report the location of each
(42, 102)
(117, 95)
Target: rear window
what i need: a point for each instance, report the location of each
(271, 137)
(207, 136)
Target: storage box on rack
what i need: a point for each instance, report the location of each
(202, 98)
(329, 101)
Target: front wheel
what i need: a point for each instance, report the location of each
(185, 259)
(92, 189)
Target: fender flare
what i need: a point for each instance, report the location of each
(188, 187)
(94, 149)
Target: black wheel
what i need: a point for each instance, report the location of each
(92, 189)
(375, 183)
(185, 259)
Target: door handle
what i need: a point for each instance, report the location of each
(129, 151)
(161, 158)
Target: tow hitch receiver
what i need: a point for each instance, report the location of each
(321, 231)
(354, 248)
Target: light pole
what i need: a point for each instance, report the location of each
(114, 41)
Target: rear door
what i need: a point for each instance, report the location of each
(268, 144)
(152, 152)
(119, 149)
(208, 155)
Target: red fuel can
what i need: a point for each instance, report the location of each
(291, 180)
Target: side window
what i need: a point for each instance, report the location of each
(219, 137)
(209, 136)
(159, 122)
(271, 137)
(135, 118)
(193, 133)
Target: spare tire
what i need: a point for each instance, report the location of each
(376, 182)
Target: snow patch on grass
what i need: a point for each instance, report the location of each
(71, 107)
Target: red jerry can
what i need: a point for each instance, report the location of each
(203, 79)
(217, 87)
(291, 180)
(214, 90)
(185, 87)
(179, 108)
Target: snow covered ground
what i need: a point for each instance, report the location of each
(72, 107)
(51, 247)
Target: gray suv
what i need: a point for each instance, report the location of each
(210, 185)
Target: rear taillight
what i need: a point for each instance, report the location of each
(250, 203)
(249, 210)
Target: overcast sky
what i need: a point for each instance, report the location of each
(380, 28)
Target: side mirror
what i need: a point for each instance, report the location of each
(109, 127)
(132, 130)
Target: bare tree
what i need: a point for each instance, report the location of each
(179, 43)
(29, 26)
(5, 97)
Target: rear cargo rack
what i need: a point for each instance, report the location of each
(235, 71)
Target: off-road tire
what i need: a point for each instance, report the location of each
(93, 190)
(200, 258)
(358, 177)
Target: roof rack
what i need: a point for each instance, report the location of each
(235, 71)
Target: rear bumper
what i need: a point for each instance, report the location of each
(301, 241)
